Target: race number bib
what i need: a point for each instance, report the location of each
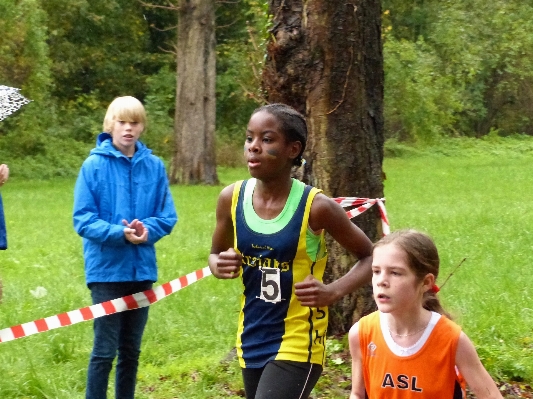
(270, 285)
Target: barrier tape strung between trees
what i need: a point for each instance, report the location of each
(134, 301)
(361, 205)
(148, 297)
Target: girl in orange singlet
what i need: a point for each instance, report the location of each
(409, 348)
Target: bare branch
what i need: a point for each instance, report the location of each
(172, 6)
(164, 29)
(453, 271)
(175, 51)
(226, 26)
(257, 98)
(252, 38)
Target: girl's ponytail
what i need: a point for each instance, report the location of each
(432, 303)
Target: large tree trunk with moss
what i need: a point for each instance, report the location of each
(325, 59)
(193, 161)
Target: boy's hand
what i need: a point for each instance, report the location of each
(135, 232)
(228, 264)
(137, 225)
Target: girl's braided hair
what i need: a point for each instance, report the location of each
(292, 124)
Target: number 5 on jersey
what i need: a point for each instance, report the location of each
(270, 285)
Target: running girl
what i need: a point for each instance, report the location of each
(270, 231)
(409, 348)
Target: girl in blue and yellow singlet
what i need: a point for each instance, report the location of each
(409, 348)
(270, 232)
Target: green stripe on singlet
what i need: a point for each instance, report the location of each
(315, 243)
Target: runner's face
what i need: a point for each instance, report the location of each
(266, 149)
(395, 285)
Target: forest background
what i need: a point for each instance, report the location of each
(452, 68)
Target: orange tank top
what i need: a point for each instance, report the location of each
(429, 373)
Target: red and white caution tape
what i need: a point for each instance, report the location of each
(363, 204)
(146, 298)
(138, 300)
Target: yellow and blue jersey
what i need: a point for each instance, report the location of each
(278, 253)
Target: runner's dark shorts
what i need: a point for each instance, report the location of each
(281, 379)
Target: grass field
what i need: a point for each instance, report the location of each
(475, 199)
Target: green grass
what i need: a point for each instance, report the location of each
(187, 334)
(476, 206)
(475, 201)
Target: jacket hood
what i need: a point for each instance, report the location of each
(103, 137)
(104, 146)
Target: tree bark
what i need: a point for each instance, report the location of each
(194, 160)
(325, 59)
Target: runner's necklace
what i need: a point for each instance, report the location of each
(402, 349)
(407, 335)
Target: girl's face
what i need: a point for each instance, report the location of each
(396, 287)
(266, 149)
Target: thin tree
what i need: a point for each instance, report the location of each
(325, 59)
(193, 159)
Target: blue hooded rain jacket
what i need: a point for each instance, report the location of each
(112, 187)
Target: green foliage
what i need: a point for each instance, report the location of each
(410, 19)
(25, 65)
(476, 54)
(160, 105)
(452, 68)
(421, 103)
(80, 119)
(240, 53)
(43, 159)
(491, 65)
(99, 45)
(23, 49)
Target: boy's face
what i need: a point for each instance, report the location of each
(125, 135)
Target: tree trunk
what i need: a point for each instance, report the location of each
(194, 161)
(325, 59)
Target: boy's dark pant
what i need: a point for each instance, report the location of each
(119, 333)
